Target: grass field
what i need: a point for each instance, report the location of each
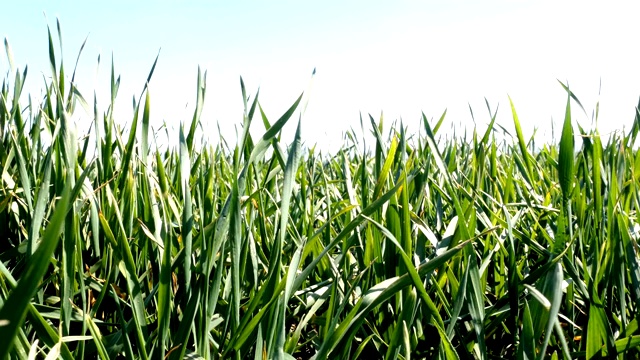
(113, 248)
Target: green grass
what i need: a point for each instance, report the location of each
(113, 248)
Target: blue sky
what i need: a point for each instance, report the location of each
(400, 57)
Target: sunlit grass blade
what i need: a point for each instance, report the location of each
(521, 143)
(16, 305)
(376, 296)
(545, 318)
(262, 145)
(187, 211)
(201, 88)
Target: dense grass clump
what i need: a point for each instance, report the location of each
(430, 248)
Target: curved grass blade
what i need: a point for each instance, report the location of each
(15, 307)
(523, 147)
(376, 296)
(262, 145)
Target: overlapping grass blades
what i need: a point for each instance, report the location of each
(421, 248)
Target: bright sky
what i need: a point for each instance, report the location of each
(400, 57)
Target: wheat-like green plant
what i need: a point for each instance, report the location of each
(402, 248)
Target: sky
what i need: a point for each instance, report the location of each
(397, 58)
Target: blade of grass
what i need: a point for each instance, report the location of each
(16, 305)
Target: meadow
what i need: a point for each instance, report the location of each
(403, 247)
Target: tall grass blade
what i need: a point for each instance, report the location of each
(15, 307)
(565, 157)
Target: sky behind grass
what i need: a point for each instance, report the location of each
(401, 57)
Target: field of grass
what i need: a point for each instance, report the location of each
(394, 249)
